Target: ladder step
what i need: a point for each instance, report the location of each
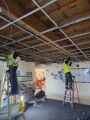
(68, 101)
(67, 96)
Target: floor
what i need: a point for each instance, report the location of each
(54, 110)
(4, 111)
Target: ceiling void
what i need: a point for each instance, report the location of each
(41, 30)
(2, 22)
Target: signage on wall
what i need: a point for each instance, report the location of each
(29, 73)
(58, 76)
(82, 75)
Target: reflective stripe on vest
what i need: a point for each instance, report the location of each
(11, 60)
(66, 68)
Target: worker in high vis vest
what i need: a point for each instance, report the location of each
(67, 72)
(12, 63)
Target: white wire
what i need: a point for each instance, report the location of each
(8, 15)
(6, 6)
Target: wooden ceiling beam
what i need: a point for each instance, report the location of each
(13, 6)
(30, 28)
(75, 16)
(71, 5)
(65, 8)
(78, 28)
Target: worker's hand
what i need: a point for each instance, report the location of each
(17, 60)
(70, 63)
(69, 58)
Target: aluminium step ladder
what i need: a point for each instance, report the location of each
(8, 109)
(69, 95)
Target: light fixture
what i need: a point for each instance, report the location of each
(22, 98)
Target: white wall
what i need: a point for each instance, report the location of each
(55, 88)
(26, 67)
(23, 68)
(2, 72)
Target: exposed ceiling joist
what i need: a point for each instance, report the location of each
(46, 32)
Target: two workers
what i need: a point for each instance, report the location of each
(13, 59)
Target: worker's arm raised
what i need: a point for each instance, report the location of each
(67, 60)
(17, 59)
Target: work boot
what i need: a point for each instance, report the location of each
(67, 88)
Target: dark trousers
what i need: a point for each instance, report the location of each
(68, 80)
(13, 81)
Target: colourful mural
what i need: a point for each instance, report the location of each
(40, 78)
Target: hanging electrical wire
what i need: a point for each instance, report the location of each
(8, 98)
(8, 11)
(22, 107)
(6, 6)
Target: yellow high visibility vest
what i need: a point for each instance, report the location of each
(11, 60)
(66, 68)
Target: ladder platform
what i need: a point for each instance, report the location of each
(67, 96)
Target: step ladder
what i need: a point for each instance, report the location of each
(6, 87)
(69, 95)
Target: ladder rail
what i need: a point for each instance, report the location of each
(8, 96)
(9, 106)
(71, 94)
(77, 92)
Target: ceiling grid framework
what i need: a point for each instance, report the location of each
(24, 30)
(30, 36)
(59, 28)
(24, 44)
(46, 49)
